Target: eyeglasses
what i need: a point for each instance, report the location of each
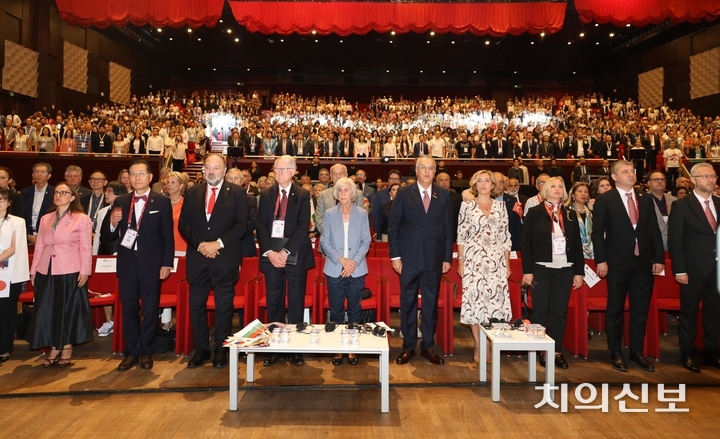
(658, 180)
(286, 170)
(140, 174)
(95, 179)
(706, 176)
(3, 200)
(61, 193)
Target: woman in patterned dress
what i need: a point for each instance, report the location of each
(484, 255)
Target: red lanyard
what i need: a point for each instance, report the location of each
(559, 219)
(132, 210)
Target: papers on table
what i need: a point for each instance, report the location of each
(254, 334)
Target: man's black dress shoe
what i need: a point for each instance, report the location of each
(272, 360)
(337, 361)
(201, 357)
(689, 364)
(405, 357)
(127, 363)
(146, 362)
(297, 360)
(432, 357)
(220, 359)
(560, 361)
(712, 360)
(642, 362)
(618, 363)
(353, 361)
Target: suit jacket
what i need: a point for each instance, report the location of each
(382, 197)
(482, 150)
(28, 195)
(333, 241)
(297, 224)
(253, 145)
(613, 235)
(69, 247)
(228, 223)
(662, 222)
(536, 242)
(603, 171)
(586, 146)
(420, 149)
(248, 241)
(341, 145)
(289, 147)
(300, 148)
(604, 148)
(326, 200)
(310, 147)
(529, 148)
(455, 202)
(423, 240)
(514, 221)
(691, 240)
(86, 201)
(369, 193)
(155, 241)
(495, 145)
(546, 150)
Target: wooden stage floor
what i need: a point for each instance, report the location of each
(91, 399)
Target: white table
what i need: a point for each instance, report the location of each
(329, 344)
(517, 342)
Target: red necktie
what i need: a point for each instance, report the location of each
(632, 210)
(709, 215)
(283, 204)
(211, 201)
(426, 201)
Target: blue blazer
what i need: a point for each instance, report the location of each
(332, 240)
(422, 240)
(28, 194)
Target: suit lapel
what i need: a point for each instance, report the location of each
(621, 204)
(699, 210)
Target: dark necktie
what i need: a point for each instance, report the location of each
(632, 210)
(426, 201)
(709, 215)
(283, 204)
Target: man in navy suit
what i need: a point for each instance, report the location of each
(628, 250)
(420, 240)
(213, 221)
(691, 238)
(142, 221)
(41, 191)
(382, 197)
(282, 231)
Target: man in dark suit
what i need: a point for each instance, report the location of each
(285, 145)
(628, 250)
(581, 172)
(499, 146)
(529, 146)
(604, 168)
(142, 221)
(421, 147)
(44, 194)
(282, 232)
(382, 197)
(213, 221)
(367, 190)
(247, 184)
(691, 239)
(346, 147)
(514, 209)
(95, 200)
(420, 240)
(443, 180)
(608, 149)
(546, 148)
(653, 145)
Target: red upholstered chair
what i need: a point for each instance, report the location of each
(391, 300)
(381, 250)
(29, 295)
(260, 304)
(372, 282)
(575, 313)
(244, 295)
(106, 283)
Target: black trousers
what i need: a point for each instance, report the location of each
(141, 284)
(636, 285)
(429, 284)
(550, 298)
(8, 318)
(222, 282)
(275, 280)
(699, 289)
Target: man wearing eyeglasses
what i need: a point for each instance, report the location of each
(691, 238)
(38, 199)
(663, 203)
(95, 200)
(420, 240)
(213, 221)
(282, 233)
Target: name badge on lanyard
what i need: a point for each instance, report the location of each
(129, 239)
(558, 245)
(278, 229)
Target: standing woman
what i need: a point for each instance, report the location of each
(46, 141)
(68, 144)
(362, 147)
(176, 185)
(62, 309)
(345, 242)
(385, 210)
(483, 242)
(3, 140)
(17, 207)
(255, 172)
(552, 261)
(124, 178)
(579, 202)
(13, 264)
(120, 147)
(23, 141)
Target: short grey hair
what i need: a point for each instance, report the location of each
(342, 182)
(290, 160)
(698, 166)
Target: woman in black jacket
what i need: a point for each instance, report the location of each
(552, 259)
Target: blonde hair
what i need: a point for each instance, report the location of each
(476, 176)
(546, 188)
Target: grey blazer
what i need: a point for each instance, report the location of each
(333, 241)
(661, 222)
(325, 201)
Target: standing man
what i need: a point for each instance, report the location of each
(73, 177)
(282, 232)
(420, 239)
(213, 221)
(382, 197)
(38, 199)
(367, 190)
(663, 203)
(443, 180)
(628, 250)
(326, 200)
(691, 238)
(142, 221)
(95, 200)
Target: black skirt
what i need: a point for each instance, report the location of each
(62, 312)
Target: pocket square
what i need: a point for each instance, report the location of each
(153, 211)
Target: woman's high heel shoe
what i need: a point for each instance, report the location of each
(353, 360)
(337, 361)
(52, 361)
(65, 362)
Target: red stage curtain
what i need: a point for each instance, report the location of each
(158, 13)
(644, 12)
(345, 18)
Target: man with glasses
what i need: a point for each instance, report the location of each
(142, 222)
(282, 232)
(38, 199)
(382, 197)
(95, 200)
(663, 202)
(692, 228)
(213, 221)
(420, 255)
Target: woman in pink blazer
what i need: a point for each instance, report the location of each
(62, 263)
